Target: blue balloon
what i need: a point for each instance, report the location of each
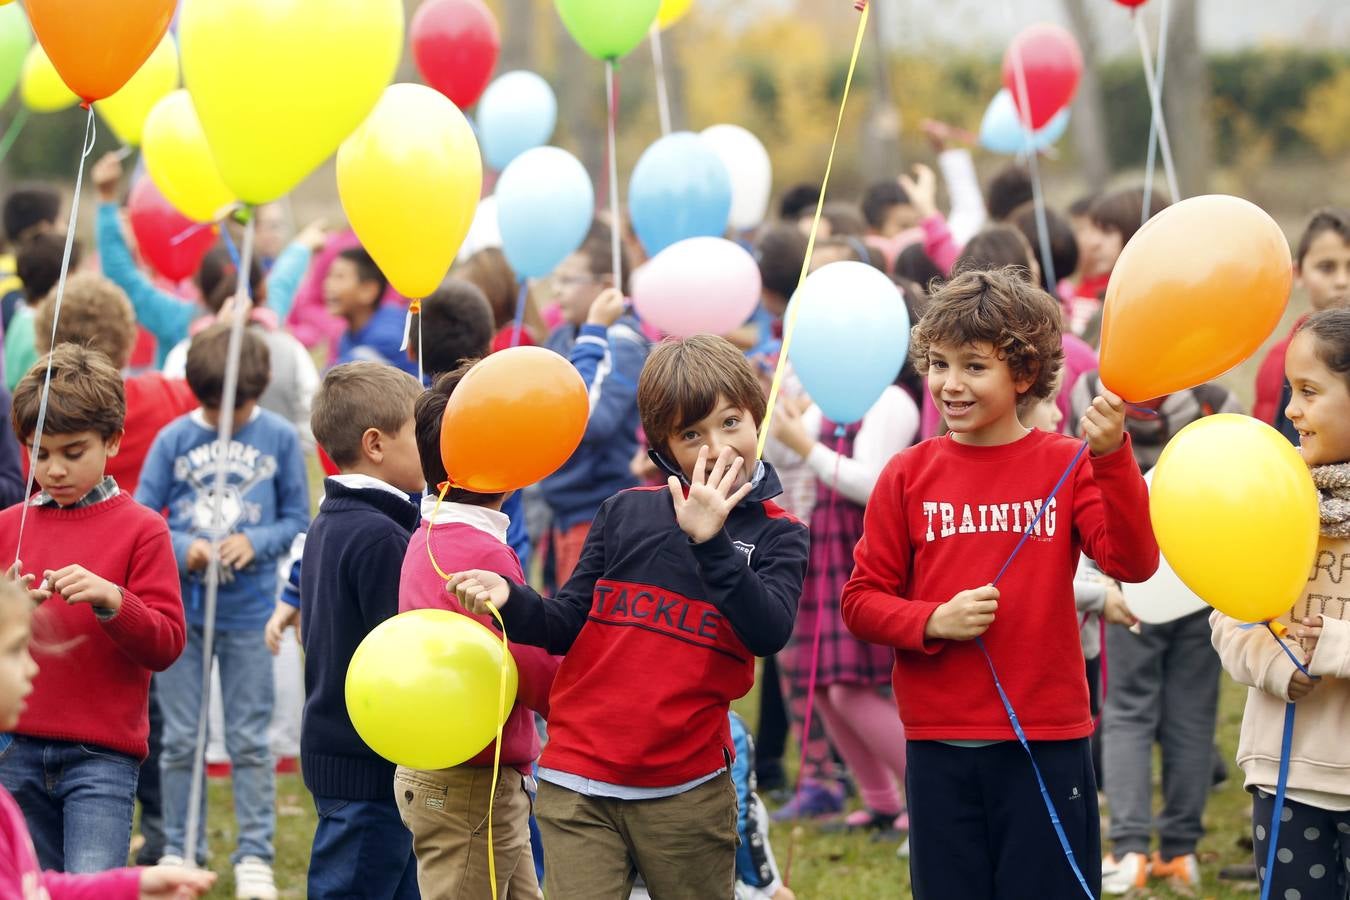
(850, 338)
(680, 189)
(545, 205)
(517, 112)
(1002, 131)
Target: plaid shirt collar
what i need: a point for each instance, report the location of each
(104, 490)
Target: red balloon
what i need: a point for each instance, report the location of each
(1131, 3)
(1052, 64)
(455, 43)
(156, 225)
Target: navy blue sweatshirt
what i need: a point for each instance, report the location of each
(353, 556)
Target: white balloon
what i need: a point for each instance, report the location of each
(483, 231)
(751, 172)
(1163, 598)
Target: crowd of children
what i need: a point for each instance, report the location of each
(870, 564)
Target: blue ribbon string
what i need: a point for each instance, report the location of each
(1007, 704)
(1286, 749)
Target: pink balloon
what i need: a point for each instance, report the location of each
(702, 285)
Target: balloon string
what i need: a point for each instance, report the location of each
(1155, 100)
(662, 95)
(1033, 162)
(90, 133)
(13, 131)
(519, 325)
(1282, 780)
(616, 224)
(224, 434)
(501, 690)
(793, 308)
(1150, 166)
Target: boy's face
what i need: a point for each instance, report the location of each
(1325, 271)
(68, 466)
(727, 426)
(344, 293)
(900, 217)
(1101, 248)
(401, 465)
(17, 669)
(576, 288)
(976, 392)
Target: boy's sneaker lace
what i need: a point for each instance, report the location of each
(253, 880)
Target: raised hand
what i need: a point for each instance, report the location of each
(712, 495)
(1104, 424)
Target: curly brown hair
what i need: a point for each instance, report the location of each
(1000, 308)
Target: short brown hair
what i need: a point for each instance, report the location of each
(355, 397)
(208, 355)
(37, 262)
(683, 379)
(455, 324)
(492, 273)
(1122, 211)
(1000, 308)
(428, 414)
(94, 313)
(86, 395)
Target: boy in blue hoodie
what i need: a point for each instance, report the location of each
(266, 504)
(607, 346)
(354, 289)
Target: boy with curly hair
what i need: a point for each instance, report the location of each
(943, 518)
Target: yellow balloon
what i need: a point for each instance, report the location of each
(1236, 514)
(672, 11)
(423, 688)
(40, 87)
(409, 179)
(126, 111)
(179, 160)
(280, 83)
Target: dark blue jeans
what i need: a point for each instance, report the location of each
(361, 849)
(76, 798)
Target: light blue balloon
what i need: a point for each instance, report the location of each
(680, 189)
(517, 112)
(850, 338)
(545, 205)
(1001, 129)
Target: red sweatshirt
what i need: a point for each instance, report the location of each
(93, 682)
(153, 401)
(943, 518)
(1270, 378)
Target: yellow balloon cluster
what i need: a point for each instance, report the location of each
(180, 162)
(40, 87)
(126, 111)
(1236, 514)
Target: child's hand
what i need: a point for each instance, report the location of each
(964, 617)
(1116, 612)
(710, 499)
(475, 589)
(236, 552)
(76, 584)
(39, 594)
(107, 176)
(786, 427)
(1104, 424)
(314, 236)
(922, 191)
(283, 617)
(607, 308)
(1300, 685)
(175, 883)
(198, 555)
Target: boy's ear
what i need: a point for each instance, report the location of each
(114, 443)
(372, 445)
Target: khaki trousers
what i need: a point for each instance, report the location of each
(446, 810)
(684, 846)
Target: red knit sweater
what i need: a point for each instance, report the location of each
(93, 682)
(943, 518)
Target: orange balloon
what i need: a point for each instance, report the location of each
(1196, 291)
(513, 420)
(97, 45)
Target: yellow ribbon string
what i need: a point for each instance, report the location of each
(810, 241)
(501, 693)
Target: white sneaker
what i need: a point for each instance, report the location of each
(902, 852)
(172, 859)
(253, 880)
(1120, 876)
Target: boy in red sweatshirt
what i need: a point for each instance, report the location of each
(678, 589)
(446, 809)
(943, 518)
(72, 760)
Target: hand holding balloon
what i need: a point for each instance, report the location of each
(1308, 633)
(1300, 686)
(786, 427)
(607, 308)
(1104, 424)
(107, 176)
(922, 191)
(476, 589)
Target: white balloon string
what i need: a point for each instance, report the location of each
(662, 92)
(616, 223)
(1155, 99)
(224, 434)
(90, 133)
(1150, 167)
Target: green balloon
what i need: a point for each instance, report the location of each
(15, 40)
(608, 29)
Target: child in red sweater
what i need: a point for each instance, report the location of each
(72, 761)
(943, 518)
(445, 809)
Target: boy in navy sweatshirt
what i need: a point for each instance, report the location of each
(678, 589)
(363, 419)
(265, 505)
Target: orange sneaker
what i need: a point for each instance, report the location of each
(1180, 872)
